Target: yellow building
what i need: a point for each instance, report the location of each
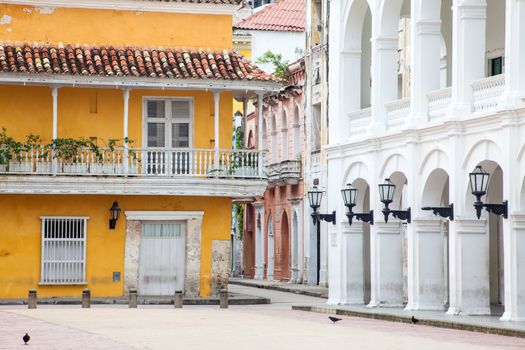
(132, 103)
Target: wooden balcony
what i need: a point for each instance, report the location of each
(184, 171)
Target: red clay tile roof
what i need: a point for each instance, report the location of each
(112, 61)
(285, 16)
(218, 2)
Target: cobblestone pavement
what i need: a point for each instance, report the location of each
(265, 327)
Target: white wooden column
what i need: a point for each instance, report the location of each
(259, 240)
(125, 130)
(54, 94)
(216, 111)
(425, 56)
(514, 53)
(468, 52)
(260, 124)
(384, 78)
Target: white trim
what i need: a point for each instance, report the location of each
(65, 217)
(143, 83)
(168, 119)
(207, 187)
(132, 5)
(163, 215)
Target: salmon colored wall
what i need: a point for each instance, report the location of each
(20, 238)
(29, 110)
(119, 28)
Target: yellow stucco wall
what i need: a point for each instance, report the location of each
(20, 238)
(135, 28)
(29, 110)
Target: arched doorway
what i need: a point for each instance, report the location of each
(285, 247)
(295, 248)
(249, 245)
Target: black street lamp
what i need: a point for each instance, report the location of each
(115, 213)
(386, 194)
(314, 197)
(444, 212)
(350, 198)
(479, 181)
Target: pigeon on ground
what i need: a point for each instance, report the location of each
(334, 319)
(26, 338)
(414, 320)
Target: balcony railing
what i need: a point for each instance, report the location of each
(438, 103)
(397, 113)
(359, 121)
(285, 172)
(148, 162)
(486, 93)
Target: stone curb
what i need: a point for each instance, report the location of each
(279, 288)
(422, 321)
(141, 301)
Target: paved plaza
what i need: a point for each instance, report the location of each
(273, 326)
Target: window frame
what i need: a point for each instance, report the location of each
(80, 281)
(168, 120)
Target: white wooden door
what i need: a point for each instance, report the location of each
(161, 262)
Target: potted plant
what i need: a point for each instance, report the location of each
(5, 150)
(71, 154)
(23, 154)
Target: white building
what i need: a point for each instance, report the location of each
(464, 108)
(277, 27)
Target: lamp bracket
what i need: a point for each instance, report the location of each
(445, 212)
(365, 217)
(398, 214)
(498, 209)
(317, 217)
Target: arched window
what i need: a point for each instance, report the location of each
(284, 137)
(296, 133)
(274, 139)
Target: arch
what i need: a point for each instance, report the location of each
(284, 135)
(435, 191)
(274, 138)
(265, 135)
(391, 164)
(353, 23)
(356, 170)
(285, 247)
(434, 159)
(250, 140)
(495, 37)
(295, 247)
(390, 13)
(296, 131)
(485, 149)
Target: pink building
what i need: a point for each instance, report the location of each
(273, 239)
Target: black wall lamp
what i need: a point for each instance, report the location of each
(115, 213)
(479, 180)
(350, 198)
(314, 197)
(386, 193)
(444, 212)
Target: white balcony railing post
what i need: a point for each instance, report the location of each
(125, 133)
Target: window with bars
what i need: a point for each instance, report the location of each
(63, 250)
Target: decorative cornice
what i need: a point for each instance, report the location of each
(208, 187)
(132, 5)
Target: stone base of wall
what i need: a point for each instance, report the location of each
(220, 268)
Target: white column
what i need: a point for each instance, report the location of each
(54, 94)
(425, 56)
(353, 258)
(469, 267)
(468, 52)
(216, 111)
(427, 289)
(515, 270)
(350, 80)
(514, 53)
(384, 78)
(260, 123)
(259, 240)
(386, 264)
(125, 129)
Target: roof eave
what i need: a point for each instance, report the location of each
(132, 5)
(138, 83)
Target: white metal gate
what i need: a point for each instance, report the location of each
(162, 258)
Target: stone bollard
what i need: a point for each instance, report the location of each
(133, 298)
(178, 299)
(223, 296)
(86, 299)
(31, 302)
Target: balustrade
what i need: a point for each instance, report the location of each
(140, 162)
(397, 113)
(487, 92)
(438, 103)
